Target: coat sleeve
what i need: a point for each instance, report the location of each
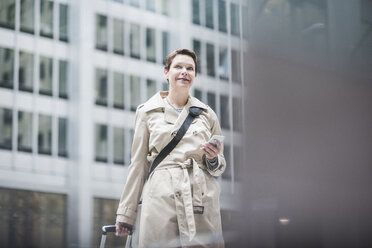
(137, 171)
(221, 162)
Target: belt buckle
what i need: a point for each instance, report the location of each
(198, 209)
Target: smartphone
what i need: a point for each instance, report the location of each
(220, 138)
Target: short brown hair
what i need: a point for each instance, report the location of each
(183, 51)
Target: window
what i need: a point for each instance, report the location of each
(237, 114)
(226, 152)
(195, 12)
(135, 40)
(151, 88)
(63, 79)
(118, 90)
(101, 143)
(101, 87)
(135, 3)
(119, 145)
(6, 68)
(101, 32)
(46, 75)
(223, 68)
(222, 24)
(118, 39)
(7, 13)
(165, 39)
(210, 60)
(235, 24)
(63, 22)
(196, 46)
(235, 66)
(26, 71)
(224, 112)
(44, 136)
(24, 131)
(46, 18)
(165, 86)
(27, 16)
(245, 22)
(150, 5)
(209, 22)
(164, 7)
(198, 94)
(6, 121)
(150, 45)
(135, 92)
(62, 137)
(211, 100)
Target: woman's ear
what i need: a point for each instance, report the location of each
(166, 73)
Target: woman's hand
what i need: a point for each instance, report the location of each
(210, 150)
(123, 229)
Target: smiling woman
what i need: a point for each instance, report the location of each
(180, 198)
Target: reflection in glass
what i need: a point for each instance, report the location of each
(198, 94)
(165, 43)
(118, 38)
(6, 67)
(151, 87)
(44, 136)
(63, 79)
(222, 23)
(101, 87)
(150, 45)
(101, 32)
(63, 22)
(46, 18)
(209, 14)
(235, 24)
(211, 100)
(62, 137)
(27, 16)
(235, 66)
(224, 112)
(7, 13)
(210, 60)
(164, 7)
(101, 143)
(46, 75)
(118, 90)
(135, 92)
(223, 69)
(26, 71)
(195, 12)
(24, 131)
(135, 41)
(196, 46)
(150, 5)
(6, 121)
(119, 145)
(237, 114)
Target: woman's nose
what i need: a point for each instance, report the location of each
(183, 70)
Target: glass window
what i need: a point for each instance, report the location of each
(151, 88)
(63, 22)
(135, 40)
(235, 24)
(223, 68)
(150, 45)
(245, 21)
(24, 131)
(118, 36)
(235, 66)
(26, 71)
(33, 219)
(226, 152)
(222, 23)
(44, 136)
(101, 87)
(119, 145)
(195, 12)
(6, 121)
(131, 135)
(7, 13)
(209, 14)
(210, 60)
(101, 143)
(62, 137)
(196, 46)
(46, 75)
(135, 92)
(135, 3)
(198, 94)
(63, 79)
(27, 16)
(237, 114)
(6, 67)
(211, 100)
(101, 32)
(150, 5)
(164, 7)
(165, 86)
(119, 90)
(224, 112)
(165, 39)
(46, 18)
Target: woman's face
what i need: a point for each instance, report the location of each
(181, 72)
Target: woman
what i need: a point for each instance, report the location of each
(180, 199)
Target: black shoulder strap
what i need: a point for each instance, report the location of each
(193, 112)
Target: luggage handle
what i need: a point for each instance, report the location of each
(105, 230)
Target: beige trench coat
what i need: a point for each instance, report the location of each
(181, 186)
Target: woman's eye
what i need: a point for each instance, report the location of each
(190, 69)
(177, 66)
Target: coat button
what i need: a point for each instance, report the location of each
(178, 194)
